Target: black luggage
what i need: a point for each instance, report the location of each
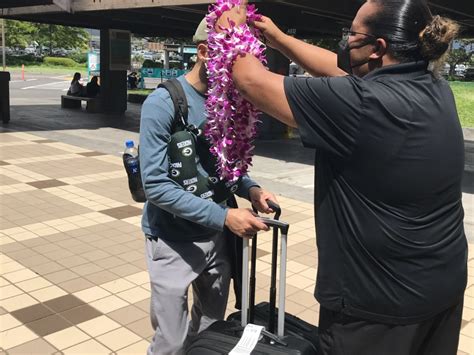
(222, 336)
(293, 325)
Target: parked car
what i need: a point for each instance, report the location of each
(460, 70)
(30, 50)
(18, 52)
(445, 70)
(175, 56)
(150, 56)
(469, 74)
(60, 52)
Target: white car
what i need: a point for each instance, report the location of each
(445, 70)
(30, 50)
(460, 69)
(150, 56)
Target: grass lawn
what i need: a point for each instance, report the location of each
(43, 69)
(141, 91)
(464, 94)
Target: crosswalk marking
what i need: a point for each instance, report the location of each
(41, 85)
(21, 81)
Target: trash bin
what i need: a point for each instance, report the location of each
(5, 96)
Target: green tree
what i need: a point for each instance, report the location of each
(56, 36)
(460, 55)
(326, 43)
(19, 33)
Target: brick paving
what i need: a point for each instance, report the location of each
(73, 277)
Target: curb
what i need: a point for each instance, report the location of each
(136, 98)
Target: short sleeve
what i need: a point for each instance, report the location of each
(327, 110)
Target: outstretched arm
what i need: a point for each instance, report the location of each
(258, 85)
(262, 88)
(315, 60)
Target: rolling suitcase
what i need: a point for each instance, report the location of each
(265, 312)
(223, 336)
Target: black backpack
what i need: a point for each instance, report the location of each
(191, 163)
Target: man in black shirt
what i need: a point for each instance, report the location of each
(389, 161)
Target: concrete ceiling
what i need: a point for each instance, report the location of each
(22, 3)
(179, 18)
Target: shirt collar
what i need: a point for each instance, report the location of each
(191, 88)
(406, 70)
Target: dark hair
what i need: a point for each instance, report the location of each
(94, 79)
(76, 77)
(411, 30)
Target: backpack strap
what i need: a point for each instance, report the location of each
(180, 102)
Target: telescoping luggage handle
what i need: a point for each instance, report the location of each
(253, 262)
(283, 227)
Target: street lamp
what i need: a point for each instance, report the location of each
(3, 46)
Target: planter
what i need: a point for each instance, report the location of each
(136, 98)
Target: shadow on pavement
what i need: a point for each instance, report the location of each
(289, 150)
(52, 118)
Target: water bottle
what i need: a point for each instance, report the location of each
(132, 166)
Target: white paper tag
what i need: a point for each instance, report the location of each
(248, 341)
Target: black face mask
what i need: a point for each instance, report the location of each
(344, 56)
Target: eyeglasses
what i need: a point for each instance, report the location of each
(346, 32)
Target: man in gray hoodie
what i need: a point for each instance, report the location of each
(185, 243)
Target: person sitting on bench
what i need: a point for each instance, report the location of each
(76, 88)
(93, 87)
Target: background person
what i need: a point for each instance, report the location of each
(76, 88)
(132, 80)
(93, 87)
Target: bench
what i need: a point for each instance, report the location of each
(92, 103)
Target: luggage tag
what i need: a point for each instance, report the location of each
(248, 341)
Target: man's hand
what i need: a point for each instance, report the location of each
(244, 223)
(259, 198)
(272, 33)
(238, 15)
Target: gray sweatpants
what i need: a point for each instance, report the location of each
(173, 267)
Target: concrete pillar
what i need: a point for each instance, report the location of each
(166, 65)
(113, 84)
(270, 128)
(5, 96)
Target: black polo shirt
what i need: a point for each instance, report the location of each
(389, 216)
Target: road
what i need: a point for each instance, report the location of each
(38, 89)
(44, 89)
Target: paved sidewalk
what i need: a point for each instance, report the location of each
(73, 276)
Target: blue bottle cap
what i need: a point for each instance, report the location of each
(129, 144)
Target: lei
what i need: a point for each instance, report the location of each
(232, 120)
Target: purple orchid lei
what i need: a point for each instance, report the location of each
(232, 120)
